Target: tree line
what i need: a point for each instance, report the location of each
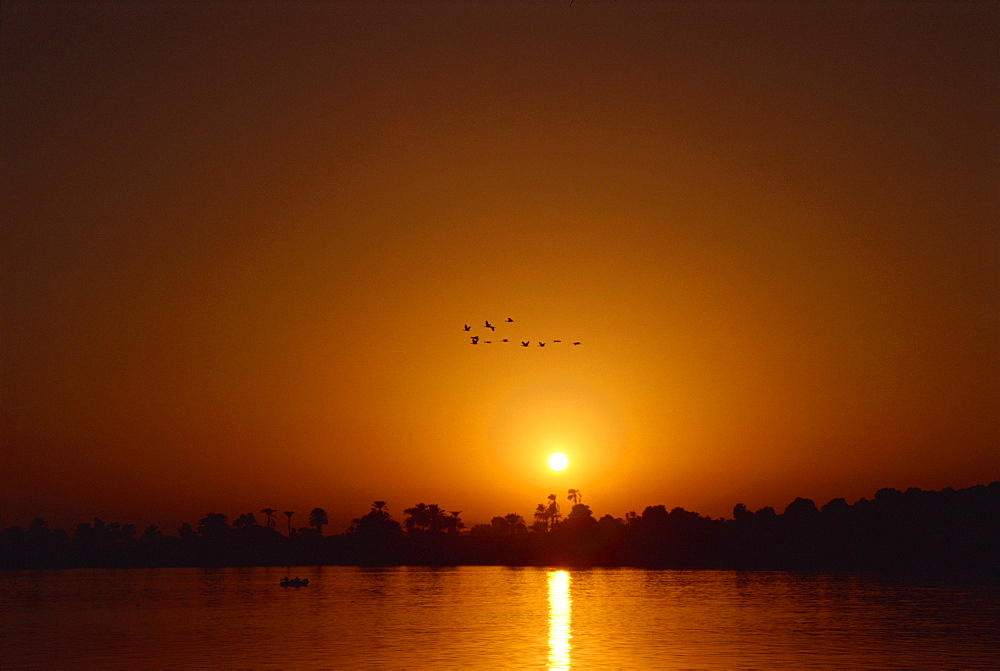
(950, 530)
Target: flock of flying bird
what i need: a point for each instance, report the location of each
(524, 343)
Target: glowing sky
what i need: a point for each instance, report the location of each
(240, 241)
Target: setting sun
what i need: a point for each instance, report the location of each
(558, 461)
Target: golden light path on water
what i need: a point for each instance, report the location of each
(560, 613)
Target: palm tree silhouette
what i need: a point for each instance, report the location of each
(428, 518)
(436, 518)
(454, 523)
(317, 518)
(515, 523)
(575, 495)
(288, 514)
(417, 519)
(213, 524)
(553, 511)
(542, 516)
(244, 521)
(377, 525)
(270, 517)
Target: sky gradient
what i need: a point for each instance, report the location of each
(240, 241)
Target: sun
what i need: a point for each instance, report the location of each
(558, 461)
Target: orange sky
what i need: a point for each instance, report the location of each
(240, 242)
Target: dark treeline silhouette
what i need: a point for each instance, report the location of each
(953, 531)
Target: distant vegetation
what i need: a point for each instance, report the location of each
(943, 531)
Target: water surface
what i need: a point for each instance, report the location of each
(482, 617)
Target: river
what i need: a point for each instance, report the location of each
(488, 617)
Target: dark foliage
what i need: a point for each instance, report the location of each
(947, 531)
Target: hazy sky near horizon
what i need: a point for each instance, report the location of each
(240, 242)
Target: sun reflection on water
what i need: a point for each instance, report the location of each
(560, 612)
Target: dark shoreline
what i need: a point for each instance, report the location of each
(947, 532)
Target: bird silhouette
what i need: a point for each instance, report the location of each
(475, 340)
(525, 344)
(557, 341)
(490, 326)
(467, 328)
(503, 340)
(487, 342)
(541, 344)
(509, 320)
(576, 343)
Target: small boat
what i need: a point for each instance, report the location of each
(294, 582)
